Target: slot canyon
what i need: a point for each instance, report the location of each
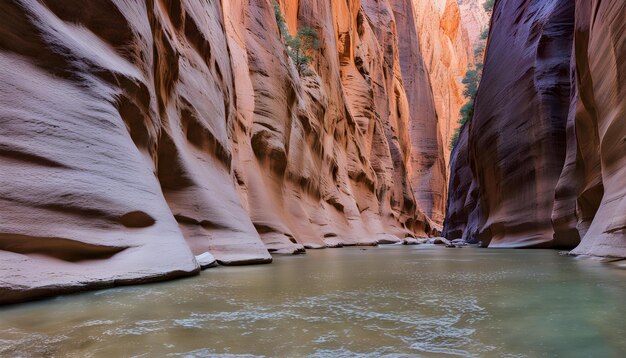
(137, 136)
(147, 140)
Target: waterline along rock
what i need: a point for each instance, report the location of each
(541, 164)
(137, 136)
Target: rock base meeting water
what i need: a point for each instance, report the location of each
(415, 301)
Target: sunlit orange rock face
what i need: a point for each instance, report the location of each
(541, 162)
(323, 160)
(446, 52)
(140, 139)
(474, 18)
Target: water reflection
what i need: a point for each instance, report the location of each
(387, 301)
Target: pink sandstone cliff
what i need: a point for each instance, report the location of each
(143, 140)
(541, 162)
(446, 52)
(474, 18)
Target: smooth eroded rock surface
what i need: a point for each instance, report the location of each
(600, 123)
(141, 140)
(541, 164)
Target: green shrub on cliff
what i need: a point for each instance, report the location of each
(280, 20)
(479, 50)
(488, 5)
(300, 46)
(485, 34)
(471, 81)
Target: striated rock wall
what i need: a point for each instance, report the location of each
(83, 93)
(600, 127)
(142, 140)
(545, 148)
(474, 18)
(327, 162)
(446, 51)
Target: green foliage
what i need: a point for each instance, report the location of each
(488, 5)
(300, 46)
(485, 34)
(467, 111)
(455, 138)
(472, 79)
(479, 51)
(471, 82)
(280, 20)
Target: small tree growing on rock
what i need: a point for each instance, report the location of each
(471, 82)
(280, 20)
(472, 78)
(300, 46)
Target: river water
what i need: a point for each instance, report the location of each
(393, 301)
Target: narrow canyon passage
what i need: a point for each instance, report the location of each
(145, 140)
(150, 140)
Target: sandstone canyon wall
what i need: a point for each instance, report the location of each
(141, 139)
(447, 51)
(443, 44)
(474, 18)
(599, 120)
(541, 164)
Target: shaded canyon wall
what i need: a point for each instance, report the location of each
(541, 164)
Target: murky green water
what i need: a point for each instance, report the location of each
(387, 301)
